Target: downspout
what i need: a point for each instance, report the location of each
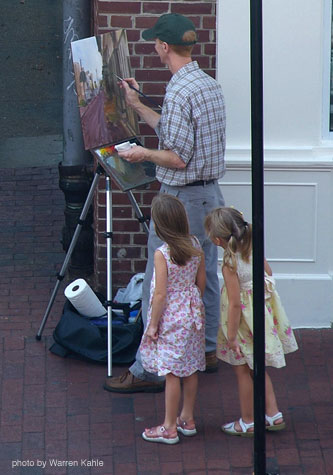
(76, 168)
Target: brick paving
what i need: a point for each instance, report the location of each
(53, 409)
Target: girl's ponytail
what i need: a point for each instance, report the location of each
(229, 256)
(246, 247)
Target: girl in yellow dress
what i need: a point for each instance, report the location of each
(227, 229)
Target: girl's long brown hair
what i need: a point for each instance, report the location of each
(171, 226)
(228, 224)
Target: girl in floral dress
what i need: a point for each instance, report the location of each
(227, 229)
(174, 341)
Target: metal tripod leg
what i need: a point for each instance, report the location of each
(141, 218)
(75, 237)
(109, 236)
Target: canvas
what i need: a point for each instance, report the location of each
(106, 120)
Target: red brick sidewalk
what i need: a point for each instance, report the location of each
(55, 410)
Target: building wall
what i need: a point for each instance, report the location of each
(129, 241)
(298, 149)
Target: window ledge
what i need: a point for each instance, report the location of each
(320, 157)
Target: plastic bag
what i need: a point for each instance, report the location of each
(133, 292)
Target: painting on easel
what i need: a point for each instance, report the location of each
(97, 62)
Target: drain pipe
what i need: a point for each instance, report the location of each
(76, 25)
(76, 168)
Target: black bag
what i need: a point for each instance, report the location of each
(75, 336)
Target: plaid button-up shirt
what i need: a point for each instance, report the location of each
(192, 125)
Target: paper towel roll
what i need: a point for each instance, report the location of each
(83, 298)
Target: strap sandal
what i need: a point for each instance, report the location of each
(186, 428)
(231, 429)
(270, 422)
(160, 434)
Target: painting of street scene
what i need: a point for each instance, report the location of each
(97, 62)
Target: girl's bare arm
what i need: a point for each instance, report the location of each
(201, 275)
(159, 297)
(234, 309)
(267, 267)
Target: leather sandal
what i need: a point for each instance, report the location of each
(270, 422)
(160, 434)
(231, 429)
(186, 428)
(211, 362)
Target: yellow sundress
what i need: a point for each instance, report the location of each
(279, 336)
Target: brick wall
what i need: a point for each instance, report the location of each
(129, 240)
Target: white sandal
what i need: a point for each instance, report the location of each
(271, 422)
(160, 434)
(185, 428)
(231, 430)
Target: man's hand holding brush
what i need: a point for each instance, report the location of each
(131, 91)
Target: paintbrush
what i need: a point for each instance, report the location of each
(138, 91)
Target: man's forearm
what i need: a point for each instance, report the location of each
(147, 114)
(164, 158)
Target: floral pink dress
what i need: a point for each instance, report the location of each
(279, 337)
(180, 347)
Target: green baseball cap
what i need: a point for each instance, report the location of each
(170, 28)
